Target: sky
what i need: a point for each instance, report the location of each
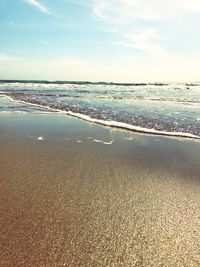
(99, 40)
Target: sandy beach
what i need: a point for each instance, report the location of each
(79, 194)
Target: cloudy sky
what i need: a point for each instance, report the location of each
(100, 40)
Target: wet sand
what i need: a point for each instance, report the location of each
(78, 194)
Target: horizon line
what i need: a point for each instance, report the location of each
(99, 82)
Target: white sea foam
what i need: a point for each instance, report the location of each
(103, 142)
(120, 125)
(18, 112)
(50, 110)
(8, 97)
(108, 143)
(127, 126)
(128, 138)
(41, 138)
(98, 141)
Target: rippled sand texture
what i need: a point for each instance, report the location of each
(131, 203)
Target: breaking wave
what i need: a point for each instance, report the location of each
(171, 109)
(110, 123)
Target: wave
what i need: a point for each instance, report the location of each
(79, 82)
(134, 128)
(115, 124)
(87, 95)
(89, 84)
(196, 83)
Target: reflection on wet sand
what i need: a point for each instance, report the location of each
(133, 203)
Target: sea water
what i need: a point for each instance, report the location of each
(161, 108)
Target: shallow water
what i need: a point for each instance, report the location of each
(160, 108)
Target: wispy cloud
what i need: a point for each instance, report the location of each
(99, 8)
(8, 58)
(142, 36)
(124, 11)
(111, 30)
(62, 62)
(41, 7)
(133, 15)
(143, 41)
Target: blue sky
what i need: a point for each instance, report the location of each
(99, 40)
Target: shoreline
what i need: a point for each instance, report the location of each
(112, 124)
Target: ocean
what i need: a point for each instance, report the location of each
(160, 108)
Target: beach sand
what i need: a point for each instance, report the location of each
(78, 194)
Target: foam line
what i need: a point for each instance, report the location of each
(13, 112)
(41, 138)
(128, 138)
(108, 143)
(97, 141)
(126, 126)
(116, 124)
